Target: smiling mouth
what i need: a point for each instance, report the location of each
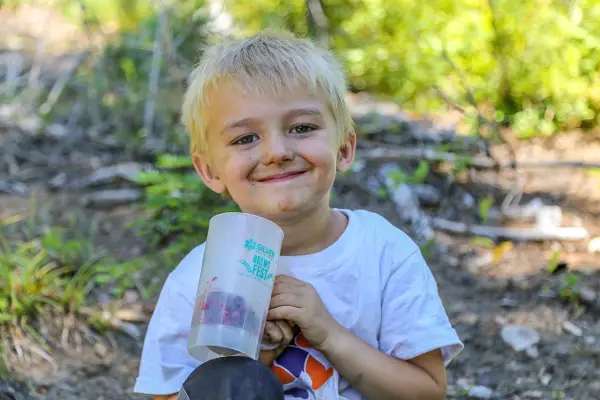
(281, 177)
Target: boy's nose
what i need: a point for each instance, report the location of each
(276, 149)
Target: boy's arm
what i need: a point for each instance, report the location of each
(166, 362)
(414, 324)
(379, 376)
(409, 363)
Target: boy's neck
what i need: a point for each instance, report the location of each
(313, 232)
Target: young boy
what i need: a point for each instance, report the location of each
(269, 126)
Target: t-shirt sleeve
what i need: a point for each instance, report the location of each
(165, 361)
(414, 320)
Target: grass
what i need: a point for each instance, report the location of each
(50, 262)
(46, 272)
(42, 266)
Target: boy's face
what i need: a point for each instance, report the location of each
(276, 157)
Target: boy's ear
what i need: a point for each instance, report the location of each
(347, 152)
(208, 176)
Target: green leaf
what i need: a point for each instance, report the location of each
(483, 241)
(593, 173)
(421, 173)
(398, 177)
(4, 317)
(52, 239)
(381, 193)
(553, 263)
(149, 178)
(462, 163)
(484, 207)
(174, 161)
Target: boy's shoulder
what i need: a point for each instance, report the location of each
(378, 231)
(186, 275)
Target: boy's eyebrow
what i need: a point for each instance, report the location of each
(290, 114)
(239, 124)
(304, 111)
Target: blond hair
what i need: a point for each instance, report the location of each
(268, 62)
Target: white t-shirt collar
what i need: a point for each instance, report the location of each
(332, 255)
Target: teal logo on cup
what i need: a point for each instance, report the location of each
(250, 244)
(261, 260)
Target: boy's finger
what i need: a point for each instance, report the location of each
(288, 281)
(280, 288)
(285, 278)
(286, 330)
(284, 312)
(285, 299)
(273, 332)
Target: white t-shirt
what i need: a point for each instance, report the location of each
(373, 280)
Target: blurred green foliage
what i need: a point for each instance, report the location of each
(532, 64)
(43, 266)
(111, 89)
(177, 205)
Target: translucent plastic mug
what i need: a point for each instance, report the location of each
(240, 261)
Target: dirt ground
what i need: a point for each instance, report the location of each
(480, 298)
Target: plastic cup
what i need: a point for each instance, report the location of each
(241, 256)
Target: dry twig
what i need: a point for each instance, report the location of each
(61, 82)
(154, 72)
(481, 119)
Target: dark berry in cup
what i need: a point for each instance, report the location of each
(236, 303)
(213, 307)
(229, 309)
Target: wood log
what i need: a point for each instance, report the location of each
(420, 153)
(513, 234)
(477, 161)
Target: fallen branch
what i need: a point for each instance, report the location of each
(534, 210)
(546, 227)
(409, 210)
(127, 171)
(553, 164)
(512, 234)
(61, 82)
(109, 198)
(408, 207)
(390, 125)
(456, 143)
(421, 153)
(480, 162)
(428, 195)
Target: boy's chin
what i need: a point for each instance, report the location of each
(282, 212)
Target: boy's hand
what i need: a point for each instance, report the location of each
(277, 332)
(299, 302)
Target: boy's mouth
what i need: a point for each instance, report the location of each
(285, 176)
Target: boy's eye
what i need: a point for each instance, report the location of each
(247, 139)
(303, 128)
